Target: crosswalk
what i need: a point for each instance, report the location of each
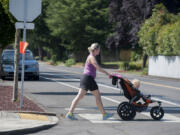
(167, 117)
(97, 118)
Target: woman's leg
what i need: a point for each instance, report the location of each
(79, 96)
(99, 104)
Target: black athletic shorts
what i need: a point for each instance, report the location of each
(87, 82)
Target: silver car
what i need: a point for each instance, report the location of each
(31, 66)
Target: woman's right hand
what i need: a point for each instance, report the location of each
(110, 76)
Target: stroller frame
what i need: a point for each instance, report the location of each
(127, 110)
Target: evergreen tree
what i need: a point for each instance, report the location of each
(78, 23)
(7, 29)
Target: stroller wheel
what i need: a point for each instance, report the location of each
(126, 111)
(157, 112)
(119, 106)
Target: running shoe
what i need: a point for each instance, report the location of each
(107, 116)
(71, 116)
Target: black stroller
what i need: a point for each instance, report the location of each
(127, 110)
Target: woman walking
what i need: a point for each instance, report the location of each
(88, 82)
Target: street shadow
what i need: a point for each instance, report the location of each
(73, 93)
(109, 108)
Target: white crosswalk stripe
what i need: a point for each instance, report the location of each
(167, 117)
(97, 118)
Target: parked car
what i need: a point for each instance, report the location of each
(31, 66)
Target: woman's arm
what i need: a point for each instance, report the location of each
(93, 61)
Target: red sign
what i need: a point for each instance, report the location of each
(22, 47)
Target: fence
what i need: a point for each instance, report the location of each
(164, 66)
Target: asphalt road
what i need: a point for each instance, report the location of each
(58, 86)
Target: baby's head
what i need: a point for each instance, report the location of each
(136, 83)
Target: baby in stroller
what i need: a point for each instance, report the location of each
(131, 89)
(135, 84)
(127, 110)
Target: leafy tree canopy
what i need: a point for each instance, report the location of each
(78, 23)
(158, 35)
(7, 28)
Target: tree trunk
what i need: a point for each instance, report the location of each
(16, 65)
(145, 57)
(40, 52)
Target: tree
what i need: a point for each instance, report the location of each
(156, 35)
(78, 23)
(177, 37)
(166, 40)
(41, 39)
(7, 29)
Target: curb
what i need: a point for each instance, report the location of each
(26, 130)
(21, 131)
(34, 112)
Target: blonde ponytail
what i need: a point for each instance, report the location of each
(93, 47)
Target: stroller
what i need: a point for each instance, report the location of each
(127, 110)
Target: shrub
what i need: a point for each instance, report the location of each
(126, 65)
(134, 66)
(145, 71)
(135, 55)
(54, 58)
(70, 62)
(121, 65)
(45, 58)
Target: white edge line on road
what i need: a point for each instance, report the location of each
(165, 101)
(110, 99)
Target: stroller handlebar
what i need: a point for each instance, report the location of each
(117, 75)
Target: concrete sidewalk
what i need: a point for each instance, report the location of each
(25, 122)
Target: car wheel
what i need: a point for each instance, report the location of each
(3, 77)
(36, 77)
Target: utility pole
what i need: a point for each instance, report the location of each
(16, 65)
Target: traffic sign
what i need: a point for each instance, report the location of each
(21, 25)
(18, 8)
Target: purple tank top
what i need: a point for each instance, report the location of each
(89, 69)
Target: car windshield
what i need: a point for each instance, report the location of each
(9, 56)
